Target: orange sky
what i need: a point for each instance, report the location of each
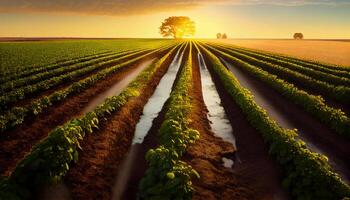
(238, 21)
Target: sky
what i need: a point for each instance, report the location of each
(316, 19)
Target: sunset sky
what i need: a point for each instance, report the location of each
(327, 19)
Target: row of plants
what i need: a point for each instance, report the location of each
(167, 177)
(332, 70)
(314, 105)
(307, 63)
(338, 93)
(308, 174)
(17, 115)
(45, 68)
(49, 160)
(37, 78)
(14, 69)
(10, 98)
(313, 73)
(19, 56)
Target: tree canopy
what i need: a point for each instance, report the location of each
(177, 27)
(298, 36)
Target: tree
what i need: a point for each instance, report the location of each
(224, 36)
(298, 36)
(177, 27)
(218, 35)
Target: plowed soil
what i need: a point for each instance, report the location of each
(16, 143)
(254, 176)
(103, 152)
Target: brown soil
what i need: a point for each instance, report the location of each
(32, 97)
(254, 176)
(140, 165)
(314, 132)
(103, 152)
(312, 90)
(16, 143)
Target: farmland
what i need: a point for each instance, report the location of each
(326, 51)
(170, 119)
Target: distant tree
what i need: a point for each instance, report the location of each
(298, 36)
(177, 27)
(224, 36)
(218, 35)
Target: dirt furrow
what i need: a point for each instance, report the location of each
(103, 153)
(319, 137)
(255, 174)
(14, 144)
(32, 97)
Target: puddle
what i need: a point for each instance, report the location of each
(219, 122)
(228, 163)
(60, 191)
(157, 100)
(283, 120)
(117, 88)
(134, 165)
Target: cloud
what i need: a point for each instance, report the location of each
(136, 7)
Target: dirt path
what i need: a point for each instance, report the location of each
(93, 177)
(255, 176)
(14, 144)
(318, 137)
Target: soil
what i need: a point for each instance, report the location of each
(104, 151)
(139, 165)
(16, 143)
(255, 174)
(317, 135)
(32, 97)
(314, 91)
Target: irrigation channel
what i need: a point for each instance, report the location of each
(317, 136)
(61, 191)
(134, 165)
(117, 88)
(218, 120)
(21, 139)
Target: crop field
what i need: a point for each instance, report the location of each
(170, 119)
(326, 51)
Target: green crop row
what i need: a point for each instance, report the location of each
(329, 68)
(308, 174)
(17, 115)
(339, 93)
(21, 56)
(51, 66)
(315, 105)
(332, 70)
(167, 177)
(49, 160)
(21, 93)
(59, 70)
(312, 73)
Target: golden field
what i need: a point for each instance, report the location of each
(326, 51)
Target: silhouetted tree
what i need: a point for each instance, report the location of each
(298, 36)
(224, 36)
(218, 35)
(177, 27)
